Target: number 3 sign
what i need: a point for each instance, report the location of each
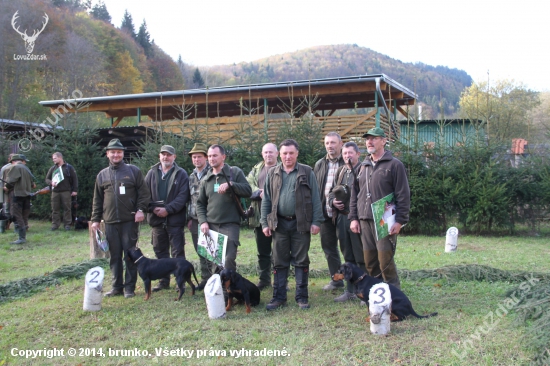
(380, 308)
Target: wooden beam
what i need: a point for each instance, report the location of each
(117, 121)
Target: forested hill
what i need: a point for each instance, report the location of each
(345, 60)
(84, 51)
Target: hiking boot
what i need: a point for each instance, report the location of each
(275, 304)
(333, 285)
(262, 285)
(129, 294)
(67, 228)
(161, 286)
(53, 228)
(22, 237)
(303, 305)
(346, 296)
(113, 292)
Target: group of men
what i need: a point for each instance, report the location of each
(291, 202)
(18, 188)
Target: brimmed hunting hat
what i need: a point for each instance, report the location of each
(169, 149)
(115, 144)
(375, 131)
(20, 157)
(199, 148)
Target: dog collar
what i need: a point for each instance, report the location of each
(357, 280)
(138, 259)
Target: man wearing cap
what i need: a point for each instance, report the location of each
(62, 191)
(216, 208)
(325, 171)
(120, 199)
(199, 157)
(379, 175)
(256, 178)
(168, 186)
(20, 179)
(338, 198)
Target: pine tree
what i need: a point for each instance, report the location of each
(128, 24)
(144, 39)
(99, 11)
(197, 78)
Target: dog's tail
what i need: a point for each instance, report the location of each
(194, 275)
(423, 316)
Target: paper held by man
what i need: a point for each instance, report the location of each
(57, 176)
(213, 247)
(383, 212)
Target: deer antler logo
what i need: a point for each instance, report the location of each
(29, 41)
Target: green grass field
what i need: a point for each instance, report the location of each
(471, 328)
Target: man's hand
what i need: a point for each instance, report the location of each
(73, 194)
(54, 184)
(139, 216)
(355, 227)
(160, 211)
(205, 228)
(223, 188)
(189, 223)
(95, 226)
(338, 204)
(395, 229)
(261, 193)
(314, 229)
(267, 231)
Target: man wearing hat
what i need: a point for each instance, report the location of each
(120, 198)
(199, 157)
(338, 198)
(379, 175)
(168, 186)
(4, 195)
(20, 179)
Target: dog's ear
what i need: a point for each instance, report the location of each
(347, 272)
(233, 276)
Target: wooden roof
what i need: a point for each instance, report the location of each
(331, 94)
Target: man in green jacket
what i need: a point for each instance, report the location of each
(20, 180)
(291, 212)
(120, 198)
(216, 208)
(256, 178)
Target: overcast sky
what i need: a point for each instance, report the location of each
(508, 39)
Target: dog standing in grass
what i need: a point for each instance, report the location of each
(151, 269)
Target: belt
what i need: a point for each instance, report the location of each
(287, 218)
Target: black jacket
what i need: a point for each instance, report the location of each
(176, 197)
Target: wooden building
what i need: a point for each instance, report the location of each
(349, 105)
